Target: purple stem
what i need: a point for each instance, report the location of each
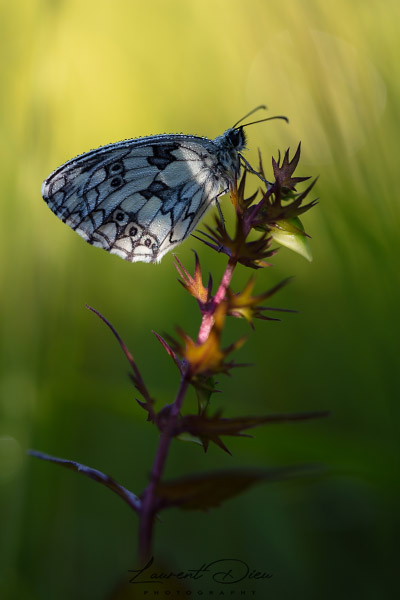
(149, 498)
(208, 317)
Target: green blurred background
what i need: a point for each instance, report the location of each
(76, 75)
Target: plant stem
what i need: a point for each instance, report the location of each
(208, 317)
(150, 504)
(149, 499)
(148, 510)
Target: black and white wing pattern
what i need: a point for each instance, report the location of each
(139, 198)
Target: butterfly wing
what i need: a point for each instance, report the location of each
(139, 198)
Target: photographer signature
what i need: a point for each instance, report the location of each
(224, 571)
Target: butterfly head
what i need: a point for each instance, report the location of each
(229, 145)
(236, 138)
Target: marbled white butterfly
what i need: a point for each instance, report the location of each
(141, 197)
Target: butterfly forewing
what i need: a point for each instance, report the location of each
(140, 198)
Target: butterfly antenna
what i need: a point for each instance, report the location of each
(262, 120)
(261, 107)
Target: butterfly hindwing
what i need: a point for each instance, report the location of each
(139, 198)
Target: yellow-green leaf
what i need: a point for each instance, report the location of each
(290, 233)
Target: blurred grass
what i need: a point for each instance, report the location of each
(78, 75)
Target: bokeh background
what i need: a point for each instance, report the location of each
(76, 75)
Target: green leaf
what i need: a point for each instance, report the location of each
(203, 429)
(187, 437)
(208, 490)
(204, 386)
(290, 233)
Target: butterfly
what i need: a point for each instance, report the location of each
(141, 197)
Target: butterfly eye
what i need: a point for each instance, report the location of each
(235, 137)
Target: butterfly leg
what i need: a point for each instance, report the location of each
(248, 166)
(221, 216)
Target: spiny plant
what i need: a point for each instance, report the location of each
(269, 215)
